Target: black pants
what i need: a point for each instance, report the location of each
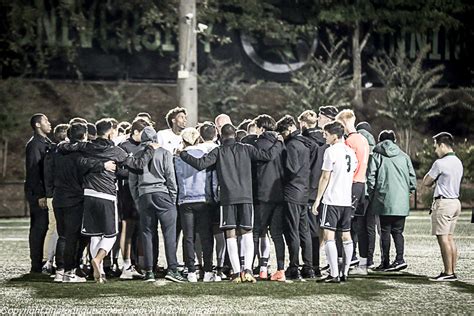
(38, 227)
(297, 233)
(68, 223)
(392, 225)
(196, 220)
(271, 215)
(314, 232)
(156, 207)
(373, 227)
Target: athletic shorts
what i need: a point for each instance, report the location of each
(336, 217)
(236, 216)
(444, 216)
(359, 202)
(100, 217)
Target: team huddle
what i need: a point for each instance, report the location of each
(320, 182)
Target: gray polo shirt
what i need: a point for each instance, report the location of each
(447, 172)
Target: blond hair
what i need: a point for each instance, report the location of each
(309, 117)
(346, 115)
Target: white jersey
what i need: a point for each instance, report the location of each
(169, 140)
(341, 160)
(206, 147)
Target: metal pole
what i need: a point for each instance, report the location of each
(187, 72)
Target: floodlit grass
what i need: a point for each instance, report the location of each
(407, 292)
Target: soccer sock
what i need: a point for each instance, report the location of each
(348, 250)
(362, 262)
(233, 251)
(264, 251)
(331, 257)
(220, 249)
(127, 263)
(242, 252)
(247, 241)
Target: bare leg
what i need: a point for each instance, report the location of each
(446, 253)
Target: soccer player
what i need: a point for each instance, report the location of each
(361, 148)
(232, 161)
(170, 139)
(296, 185)
(335, 197)
(34, 188)
(391, 179)
(446, 175)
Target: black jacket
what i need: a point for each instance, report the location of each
(48, 167)
(131, 147)
(318, 147)
(233, 163)
(252, 140)
(270, 175)
(105, 150)
(64, 176)
(35, 151)
(296, 161)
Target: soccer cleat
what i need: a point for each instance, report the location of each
(443, 277)
(247, 276)
(71, 277)
(47, 268)
(326, 267)
(331, 279)
(396, 266)
(149, 276)
(343, 278)
(58, 278)
(208, 277)
(192, 278)
(175, 276)
(307, 273)
(278, 276)
(359, 270)
(293, 274)
(317, 272)
(381, 267)
(354, 262)
(235, 278)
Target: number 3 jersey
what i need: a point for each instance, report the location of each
(341, 161)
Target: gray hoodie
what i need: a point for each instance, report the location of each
(158, 174)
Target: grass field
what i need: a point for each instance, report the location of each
(400, 293)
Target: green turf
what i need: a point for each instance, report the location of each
(381, 293)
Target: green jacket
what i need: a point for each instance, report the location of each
(391, 178)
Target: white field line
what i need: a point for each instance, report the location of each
(14, 227)
(13, 239)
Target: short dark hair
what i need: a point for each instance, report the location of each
(77, 120)
(244, 124)
(144, 114)
(239, 134)
(208, 131)
(171, 115)
(228, 131)
(124, 127)
(266, 122)
(284, 123)
(444, 138)
(91, 130)
(114, 122)
(334, 128)
(77, 131)
(139, 125)
(103, 126)
(387, 134)
(36, 118)
(60, 132)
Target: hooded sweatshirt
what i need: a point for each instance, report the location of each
(316, 159)
(391, 179)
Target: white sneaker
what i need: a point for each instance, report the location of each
(192, 277)
(130, 274)
(59, 276)
(208, 277)
(71, 277)
(359, 270)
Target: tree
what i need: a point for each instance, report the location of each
(409, 95)
(323, 81)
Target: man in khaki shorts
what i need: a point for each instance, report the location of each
(446, 174)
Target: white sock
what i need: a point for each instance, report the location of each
(247, 241)
(264, 247)
(127, 263)
(363, 262)
(241, 252)
(348, 250)
(220, 248)
(233, 251)
(331, 257)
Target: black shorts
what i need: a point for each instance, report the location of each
(236, 216)
(100, 217)
(336, 217)
(359, 202)
(215, 213)
(126, 206)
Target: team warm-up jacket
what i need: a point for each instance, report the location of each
(64, 176)
(251, 139)
(270, 174)
(48, 166)
(318, 147)
(35, 151)
(296, 161)
(131, 147)
(105, 150)
(232, 161)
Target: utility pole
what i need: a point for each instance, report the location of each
(187, 71)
